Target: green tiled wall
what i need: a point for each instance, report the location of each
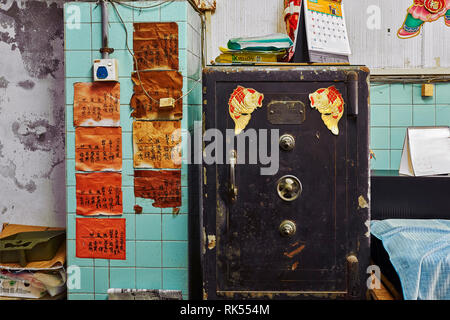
(157, 241)
(394, 107)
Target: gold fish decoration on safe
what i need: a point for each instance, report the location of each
(242, 103)
(329, 102)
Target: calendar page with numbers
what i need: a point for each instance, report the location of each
(325, 27)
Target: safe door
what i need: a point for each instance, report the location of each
(296, 230)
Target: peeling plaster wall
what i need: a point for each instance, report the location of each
(32, 168)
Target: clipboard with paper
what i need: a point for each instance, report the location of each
(426, 151)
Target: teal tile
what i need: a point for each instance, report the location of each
(175, 254)
(77, 12)
(182, 61)
(379, 94)
(380, 138)
(77, 38)
(443, 115)
(379, 116)
(128, 199)
(175, 227)
(127, 173)
(86, 281)
(78, 64)
(182, 35)
(175, 279)
(184, 175)
(151, 14)
(70, 233)
(417, 96)
(70, 172)
(80, 296)
(147, 205)
(69, 89)
(424, 115)
(125, 12)
(126, 121)
(101, 280)
(442, 93)
(398, 137)
(396, 156)
(122, 278)
(147, 278)
(69, 118)
(101, 296)
(131, 257)
(148, 254)
(174, 11)
(71, 200)
(194, 19)
(401, 93)
(126, 91)
(116, 39)
(70, 145)
(382, 161)
(401, 116)
(72, 260)
(148, 227)
(101, 263)
(130, 226)
(127, 145)
(195, 96)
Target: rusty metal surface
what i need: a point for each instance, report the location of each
(249, 258)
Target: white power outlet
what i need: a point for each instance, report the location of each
(106, 70)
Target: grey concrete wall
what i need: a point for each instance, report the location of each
(32, 127)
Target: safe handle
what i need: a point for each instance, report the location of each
(233, 187)
(352, 80)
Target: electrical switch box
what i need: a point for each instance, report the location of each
(106, 70)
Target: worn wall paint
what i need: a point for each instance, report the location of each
(372, 27)
(32, 168)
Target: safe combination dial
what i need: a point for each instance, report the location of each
(289, 188)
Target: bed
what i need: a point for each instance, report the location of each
(410, 239)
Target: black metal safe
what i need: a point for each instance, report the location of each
(303, 231)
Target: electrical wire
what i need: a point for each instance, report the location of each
(135, 60)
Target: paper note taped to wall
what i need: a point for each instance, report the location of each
(99, 193)
(159, 85)
(96, 104)
(98, 149)
(155, 45)
(157, 144)
(101, 238)
(162, 186)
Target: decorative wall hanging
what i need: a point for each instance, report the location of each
(156, 144)
(99, 193)
(98, 149)
(155, 45)
(242, 103)
(423, 11)
(330, 104)
(159, 85)
(162, 186)
(96, 104)
(101, 238)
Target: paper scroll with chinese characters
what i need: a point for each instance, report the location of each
(162, 186)
(100, 238)
(98, 149)
(99, 193)
(157, 144)
(158, 85)
(96, 104)
(155, 45)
